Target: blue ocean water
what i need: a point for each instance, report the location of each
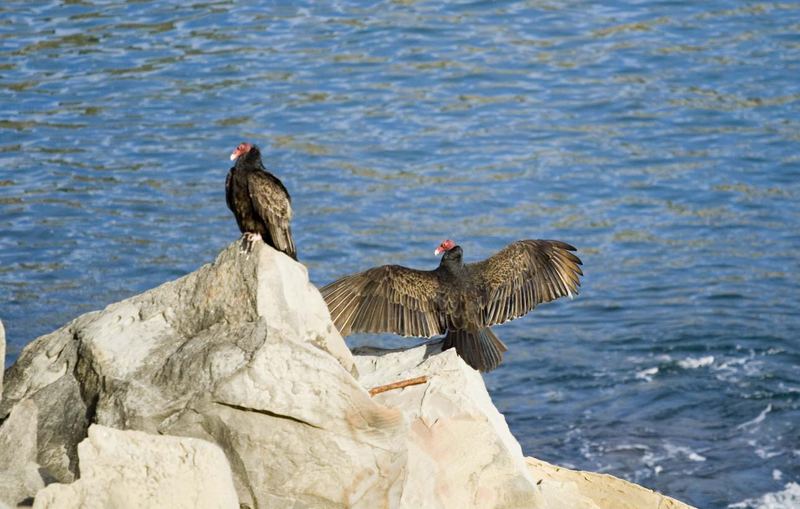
(661, 138)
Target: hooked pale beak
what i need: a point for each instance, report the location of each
(240, 150)
(438, 251)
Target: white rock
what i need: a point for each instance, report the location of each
(132, 469)
(285, 291)
(19, 472)
(578, 489)
(142, 361)
(299, 429)
(461, 453)
(2, 356)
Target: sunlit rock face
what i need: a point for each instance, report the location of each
(242, 355)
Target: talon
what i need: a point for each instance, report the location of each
(248, 240)
(243, 245)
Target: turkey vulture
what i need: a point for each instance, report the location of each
(259, 201)
(456, 299)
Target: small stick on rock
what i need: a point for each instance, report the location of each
(398, 385)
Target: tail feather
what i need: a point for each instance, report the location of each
(480, 349)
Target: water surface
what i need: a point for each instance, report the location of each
(660, 138)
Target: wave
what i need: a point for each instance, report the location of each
(787, 498)
(647, 374)
(694, 363)
(757, 420)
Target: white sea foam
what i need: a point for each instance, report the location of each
(638, 359)
(647, 374)
(734, 370)
(694, 363)
(764, 453)
(652, 459)
(733, 364)
(787, 498)
(777, 474)
(676, 450)
(792, 390)
(629, 447)
(759, 418)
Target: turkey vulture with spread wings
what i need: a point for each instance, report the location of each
(456, 299)
(259, 201)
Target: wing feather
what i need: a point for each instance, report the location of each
(229, 190)
(523, 275)
(272, 203)
(389, 298)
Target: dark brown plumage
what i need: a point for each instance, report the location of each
(457, 299)
(259, 201)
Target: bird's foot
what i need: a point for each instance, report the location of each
(248, 241)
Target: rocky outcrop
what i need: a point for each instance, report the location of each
(143, 360)
(132, 469)
(242, 353)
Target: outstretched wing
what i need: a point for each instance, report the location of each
(272, 203)
(523, 275)
(389, 298)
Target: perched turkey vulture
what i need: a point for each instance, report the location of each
(259, 201)
(457, 299)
